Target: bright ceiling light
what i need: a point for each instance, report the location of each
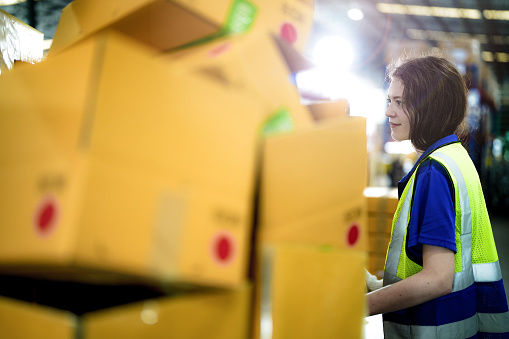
(487, 56)
(446, 12)
(10, 2)
(334, 53)
(355, 14)
(502, 57)
(496, 15)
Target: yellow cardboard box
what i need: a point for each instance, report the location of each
(22, 320)
(380, 223)
(168, 24)
(225, 314)
(382, 199)
(312, 184)
(378, 243)
(329, 109)
(382, 204)
(342, 226)
(256, 62)
(162, 24)
(114, 163)
(214, 315)
(290, 20)
(309, 291)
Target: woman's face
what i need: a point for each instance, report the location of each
(398, 118)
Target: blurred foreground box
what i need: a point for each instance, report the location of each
(113, 165)
(256, 62)
(193, 315)
(165, 25)
(213, 315)
(312, 184)
(309, 291)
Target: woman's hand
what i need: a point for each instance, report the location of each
(435, 280)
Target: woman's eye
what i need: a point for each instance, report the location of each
(399, 103)
(388, 102)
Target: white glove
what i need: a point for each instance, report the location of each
(372, 282)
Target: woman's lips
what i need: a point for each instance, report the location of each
(394, 125)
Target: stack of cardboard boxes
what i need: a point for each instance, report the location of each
(382, 204)
(161, 151)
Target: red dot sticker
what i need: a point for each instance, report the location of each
(353, 235)
(288, 33)
(46, 216)
(223, 248)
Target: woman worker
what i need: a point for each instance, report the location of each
(442, 277)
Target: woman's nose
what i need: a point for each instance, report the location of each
(388, 112)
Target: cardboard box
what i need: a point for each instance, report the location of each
(214, 315)
(378, 243)
(313, 180)
(165, 25)
(329, 109)
(307, 291)
(343, 226)
(382, 204)
(256, 62)
(161, 24)
(21, 320)
(289, 20)
(382, 199)
(114, 163)
(380, 223)
(205, 314)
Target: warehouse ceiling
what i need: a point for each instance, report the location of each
(434, 22)
(384, 21)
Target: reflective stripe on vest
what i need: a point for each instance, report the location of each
(464, 276)
(398, 233)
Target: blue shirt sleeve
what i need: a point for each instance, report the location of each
(432, 219)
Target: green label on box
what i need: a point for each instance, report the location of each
(239, 20)
(279, 122)
(240, 17)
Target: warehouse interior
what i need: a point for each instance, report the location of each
(235, 156)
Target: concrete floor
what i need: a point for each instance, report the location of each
(500, 226)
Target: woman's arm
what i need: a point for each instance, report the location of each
(435, 280)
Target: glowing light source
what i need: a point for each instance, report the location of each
(399, 147)
(492, 57)
(495, 15)
(333, 52)
(150, 313)
(420, 34)
(355, 14)
(446, 12)
(10, 2)
(487, 56)
(502, 57)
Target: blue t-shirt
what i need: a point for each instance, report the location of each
(432, 220)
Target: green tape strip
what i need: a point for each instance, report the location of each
(279, 122)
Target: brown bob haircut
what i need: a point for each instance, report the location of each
(434, 97)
